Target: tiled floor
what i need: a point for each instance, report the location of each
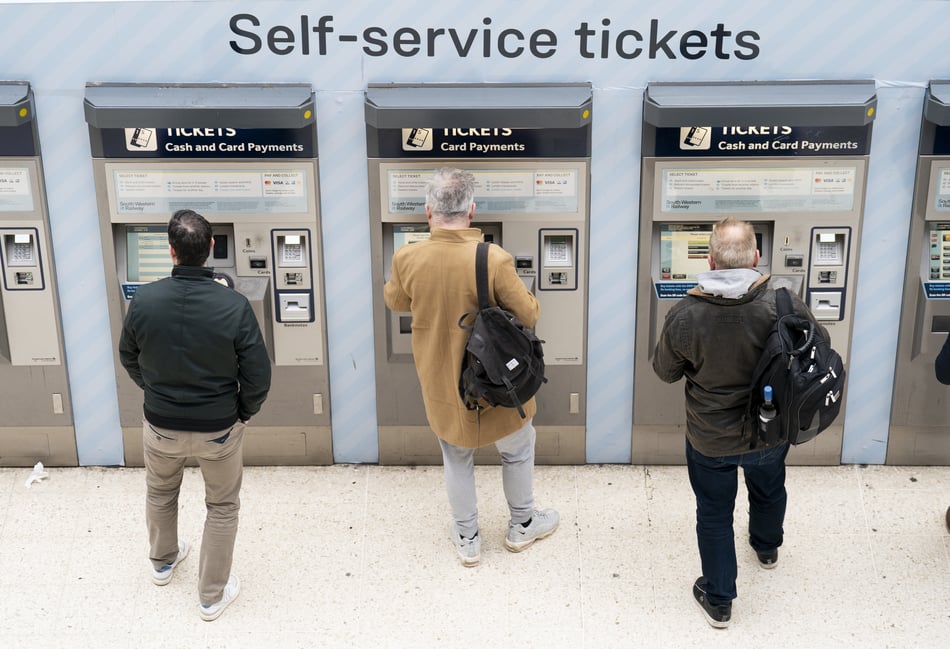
(358, 556)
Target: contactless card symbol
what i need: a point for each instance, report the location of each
(417, 139)
(695, 137)
(141, 139)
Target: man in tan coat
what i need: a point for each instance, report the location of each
(435, 280)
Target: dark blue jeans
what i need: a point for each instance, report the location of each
(714, 481)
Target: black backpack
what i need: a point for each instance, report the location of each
(504, 362)
(806, 376)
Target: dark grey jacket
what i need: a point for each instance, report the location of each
(195, 347)
(715, 342)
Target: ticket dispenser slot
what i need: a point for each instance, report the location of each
(705, 157)
(920, 409)
(160, 148)
(36, 421)
(528, 147)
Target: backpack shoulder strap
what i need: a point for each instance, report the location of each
(783, 307)
(783, 303)
(481, 274)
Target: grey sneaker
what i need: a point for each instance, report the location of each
(469, 550)
(211, 612)
(163, 575)
(543, 523)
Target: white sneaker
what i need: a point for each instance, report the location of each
(543, 523)
(469, 550)
(211, 612)
(163, 575)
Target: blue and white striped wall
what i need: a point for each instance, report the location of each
(59, 47)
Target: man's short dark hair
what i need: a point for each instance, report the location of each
(190, 236)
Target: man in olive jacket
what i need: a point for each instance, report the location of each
(194, 346)
(714, 337)
(435, 280)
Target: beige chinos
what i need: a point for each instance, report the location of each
(219, 454)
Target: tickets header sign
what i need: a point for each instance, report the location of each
(775, 140)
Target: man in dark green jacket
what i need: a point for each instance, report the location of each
(195, 348)
(714, 337)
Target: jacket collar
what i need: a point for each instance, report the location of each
(749, 295)
(452, 235)
(193, 272)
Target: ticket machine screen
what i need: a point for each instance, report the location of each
(148, 257)
(683, 250)
(407, 234)
(940, 253)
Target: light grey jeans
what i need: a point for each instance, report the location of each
(517, 475)
(220, 457)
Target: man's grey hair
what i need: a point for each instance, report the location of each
(732, 244)
(450, 193)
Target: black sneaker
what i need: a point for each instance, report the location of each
(768, 560)
(717, 615)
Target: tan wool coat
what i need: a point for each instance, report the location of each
(435, 280)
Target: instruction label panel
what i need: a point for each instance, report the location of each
(233, 192)
(16, 194)
(780, 189)
(942, 199)
(496, 191)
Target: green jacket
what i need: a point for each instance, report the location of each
(715, 342)
(195, 347)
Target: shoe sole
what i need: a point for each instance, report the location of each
(211, 617)
(469, 562)
(716, 624)
(164, 581)
(518, 546)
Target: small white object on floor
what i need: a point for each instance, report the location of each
(38, 474)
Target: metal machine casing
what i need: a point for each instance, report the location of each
(920, 409)
(35, 403)
(529, 148)
(245, 157)
(789, 157)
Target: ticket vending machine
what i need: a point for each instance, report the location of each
(920, 411)
(529, 149)
(791, 158)
(245, 157)
(36, 423)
